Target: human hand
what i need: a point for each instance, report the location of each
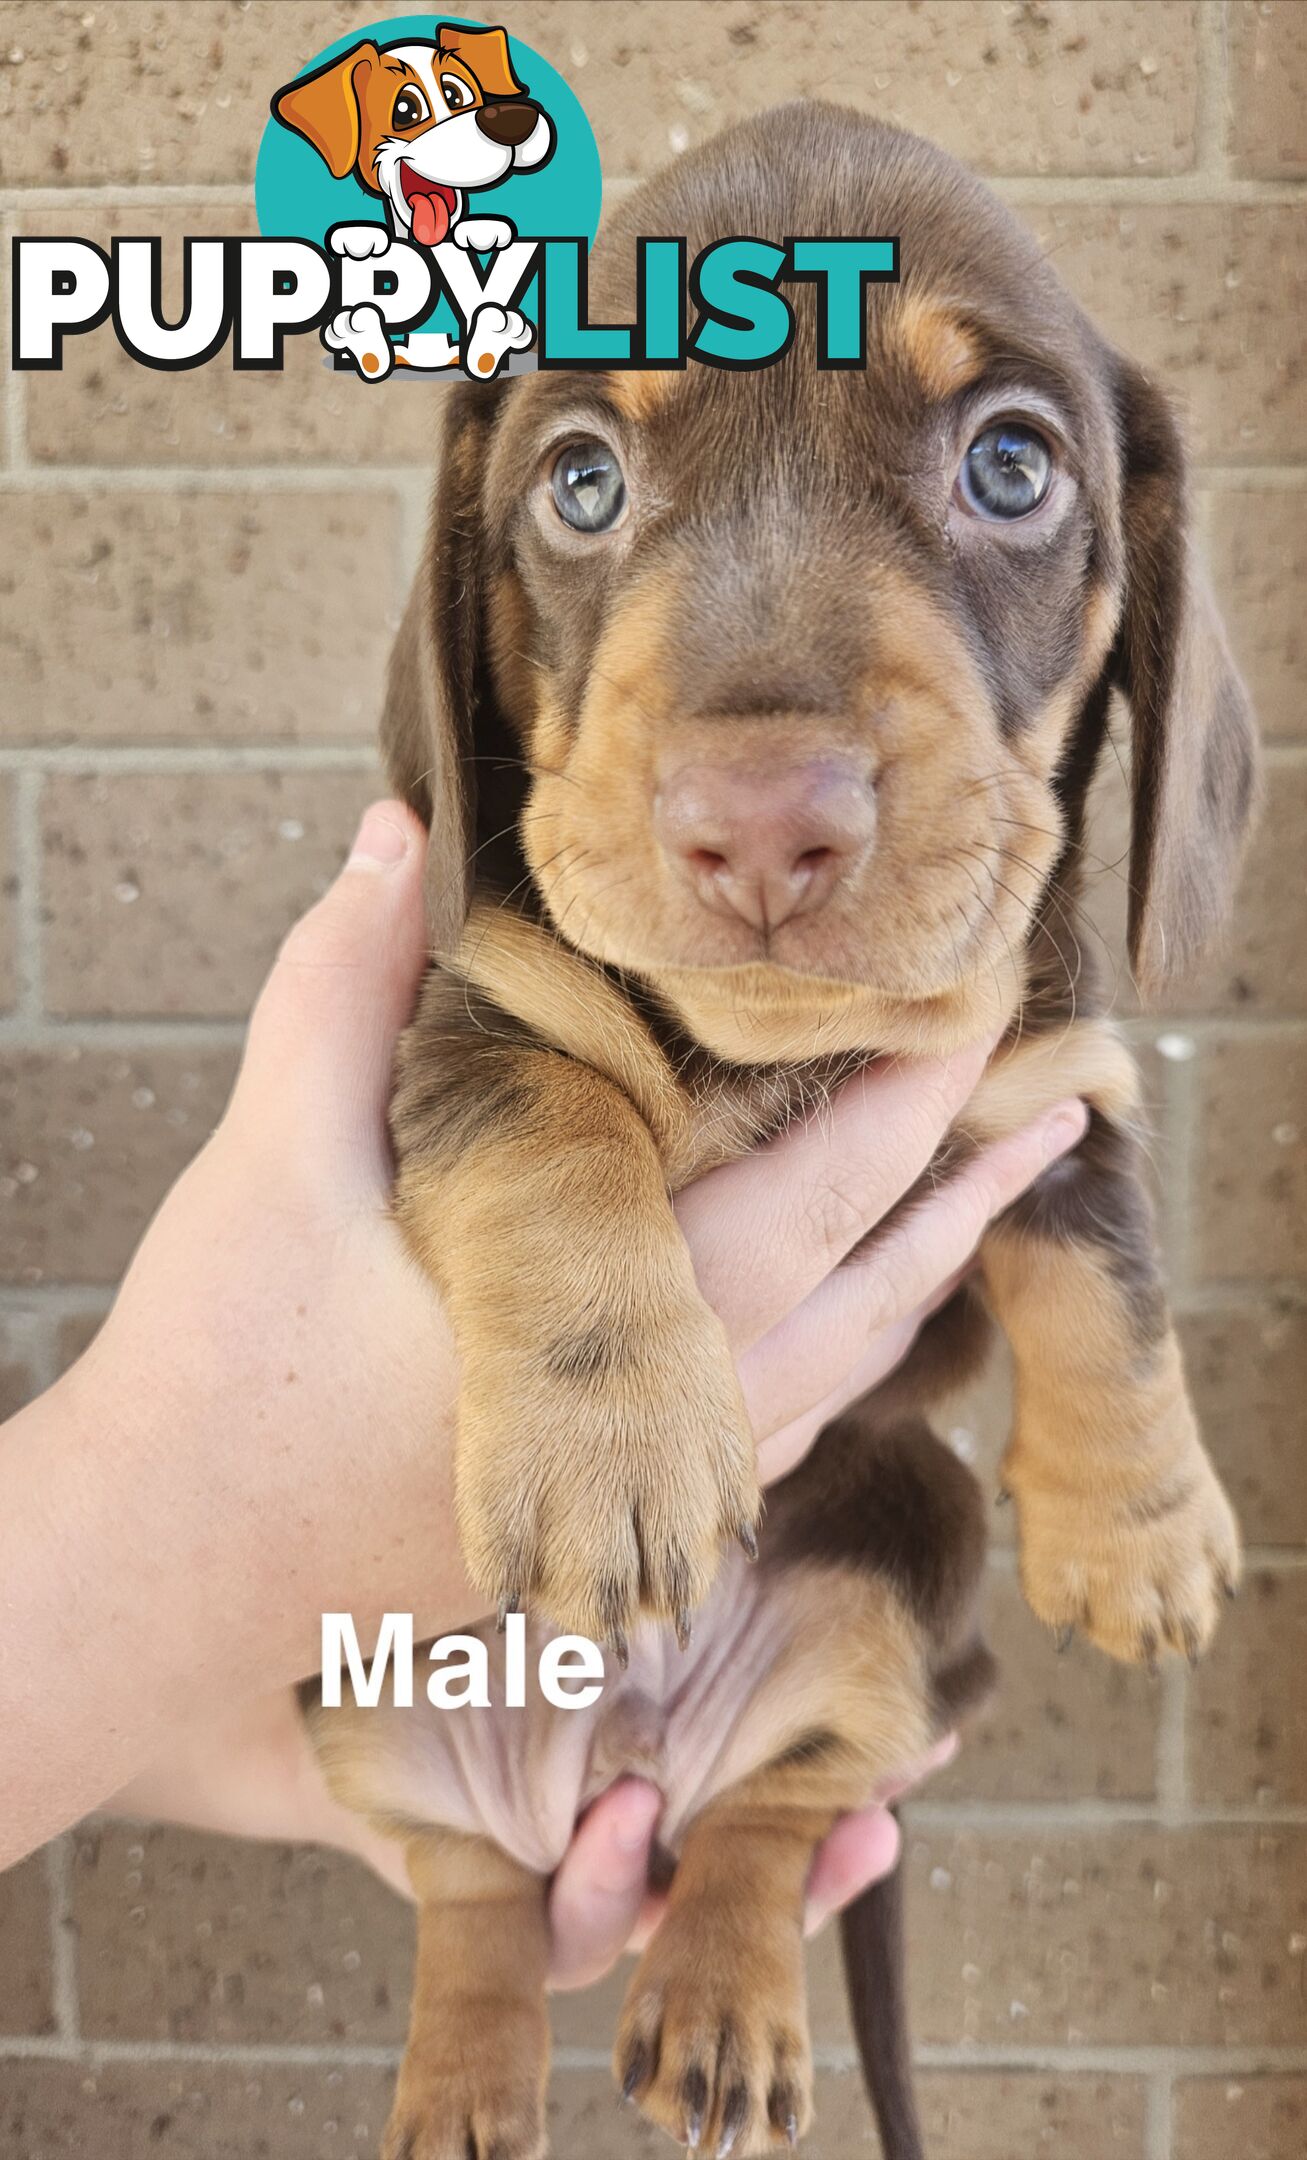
(254, 1772)
(263, 1428)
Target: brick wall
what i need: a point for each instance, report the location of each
(198, 577)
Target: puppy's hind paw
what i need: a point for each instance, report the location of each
(361, 333)
(493, 334)
(1136, 1574)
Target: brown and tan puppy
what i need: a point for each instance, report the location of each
(753, 717)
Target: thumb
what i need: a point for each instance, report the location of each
(599, 1888)
(321, 1044)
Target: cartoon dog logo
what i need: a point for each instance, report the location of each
(423, 124)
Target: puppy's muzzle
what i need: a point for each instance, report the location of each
(765, 846)
(508, 125)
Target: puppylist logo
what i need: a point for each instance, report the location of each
(427, 193)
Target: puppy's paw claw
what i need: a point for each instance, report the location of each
(1137, 1574)
(713, 2043)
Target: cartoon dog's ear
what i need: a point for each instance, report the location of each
(325, 107)
(436, 683)
(486, 53)
(1194, 758)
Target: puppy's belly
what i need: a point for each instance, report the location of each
(750, 1685)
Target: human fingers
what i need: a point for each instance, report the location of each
(864, 1846)
(863, 1316)
(765, 1230)
(600, 1886)
(319, 1057)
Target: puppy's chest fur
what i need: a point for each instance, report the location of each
(512, 980)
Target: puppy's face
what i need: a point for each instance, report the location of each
(804, 663)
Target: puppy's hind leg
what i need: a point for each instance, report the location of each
(472, 2082)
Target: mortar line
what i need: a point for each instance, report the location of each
(63, 1937)
(54, 1301)
(233, 479)
(1065, 1816)
(1171, 1745)
(15, 393)
(102, 761)
(143, 1033)
(1158, 2133)
(28, 788)
(1117, 2058)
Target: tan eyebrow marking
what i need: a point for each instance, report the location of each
(942, 353)
(639, 393)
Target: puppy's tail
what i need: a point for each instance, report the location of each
(875, 1971)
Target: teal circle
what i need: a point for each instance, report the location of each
(294, 193)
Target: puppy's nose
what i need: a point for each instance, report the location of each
(765, 846)
(507, 125)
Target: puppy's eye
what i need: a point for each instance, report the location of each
(456, 93)
(588, 488)
(410, 108)
(1007, 471)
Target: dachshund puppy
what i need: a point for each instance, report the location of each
(753, 717)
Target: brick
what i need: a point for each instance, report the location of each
(986, 2115)
(103, 408)
(1246, 1734)
(1126, 1937)
(1256, 541)
(92, 1141)
(192, 2111)
(955, 73)
(1259, 2118)
(184, 1937)
(217, 616)
(170, 893)
(194, 82)
(147, 90)
(26, 1986)
(1248, 1376)
(1267, 42)
(1250, 1160)
(1060, 1728)
(1206, 296)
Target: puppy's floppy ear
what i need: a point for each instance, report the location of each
(325, 107)
(1194, 765)
(486, 53)
(435, 686)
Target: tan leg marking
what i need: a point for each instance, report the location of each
(604, 1450)
(1126, 1532)
(472, 2082)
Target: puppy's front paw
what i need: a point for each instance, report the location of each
(358, 242)
(713, 2039)
(483, 235)
(601, 1472)
(1135, 1572)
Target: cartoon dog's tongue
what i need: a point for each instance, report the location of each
(430, 205)
(430, 220)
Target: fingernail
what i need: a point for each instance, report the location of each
(638, 1816)
(380, 841)
(1062, 1128)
